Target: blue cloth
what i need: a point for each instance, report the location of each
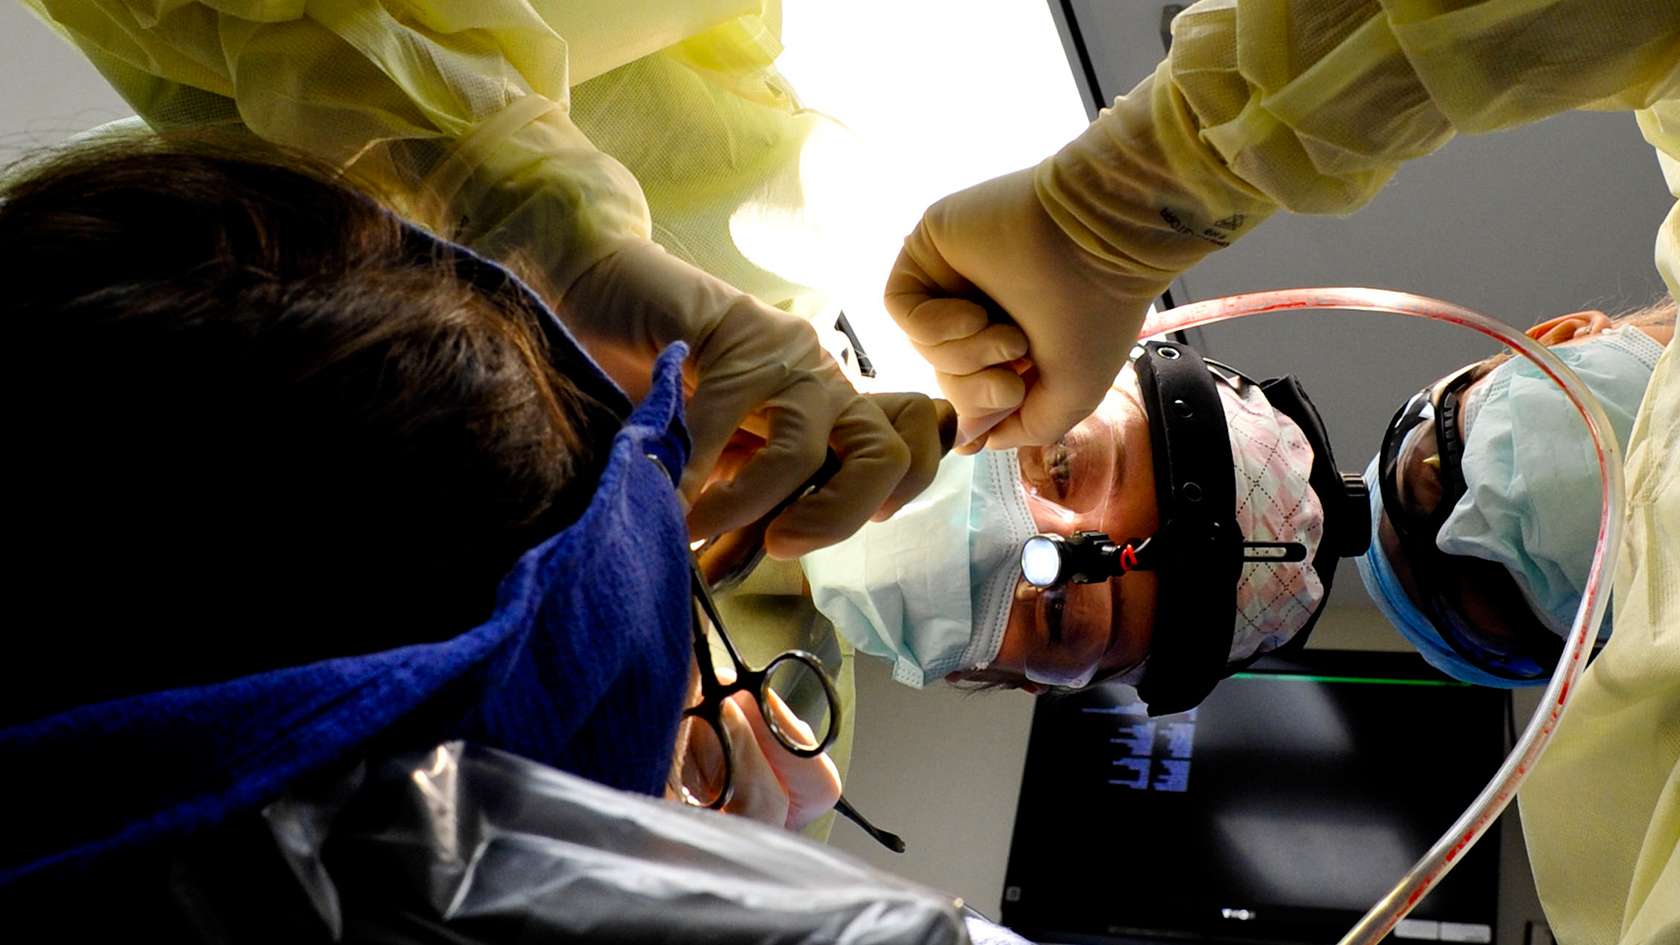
(582, 666)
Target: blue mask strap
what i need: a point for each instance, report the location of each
(564, 352)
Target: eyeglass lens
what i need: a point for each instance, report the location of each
(797, 704)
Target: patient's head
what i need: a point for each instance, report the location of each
(1486, 497)
(939, 590)
(255, 421)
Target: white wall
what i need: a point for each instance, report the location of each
(51, 91)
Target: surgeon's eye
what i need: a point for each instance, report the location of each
(1076, 472)
(1036, 465)
(1045, 471)
(1059, 459)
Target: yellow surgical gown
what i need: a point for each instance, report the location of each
(1312, 105)
(555, 129)
(1601, 811)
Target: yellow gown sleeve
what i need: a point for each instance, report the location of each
(1311, 105)
(1601, 810)
(469, 100)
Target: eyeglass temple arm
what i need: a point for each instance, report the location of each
(888, 839)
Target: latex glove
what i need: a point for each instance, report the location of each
(927, 425)
(1059, 263)
(987, 278)
(756, 368)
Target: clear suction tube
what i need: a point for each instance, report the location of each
(1488, 805)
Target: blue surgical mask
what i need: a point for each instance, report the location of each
(1531, 475)
(931, 588)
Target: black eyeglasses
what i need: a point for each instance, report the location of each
(795, 696)
(792, 678)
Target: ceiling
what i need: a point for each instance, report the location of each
(1541, 220)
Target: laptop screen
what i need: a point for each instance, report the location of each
(1279, 810)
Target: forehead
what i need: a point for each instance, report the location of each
(1122, 392)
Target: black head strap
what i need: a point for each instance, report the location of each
(1201, 558)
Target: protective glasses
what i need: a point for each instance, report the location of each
(1421, 478)
(1418, 496)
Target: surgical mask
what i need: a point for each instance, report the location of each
(1531, 472)
(930, 589)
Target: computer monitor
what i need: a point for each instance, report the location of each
(1278, 811)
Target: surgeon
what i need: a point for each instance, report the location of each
(1195, 500)
(1483, 517)
(1311, 106)
(609, 150)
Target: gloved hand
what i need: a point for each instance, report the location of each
(1059, 264)
(756, 368)
(986, 279)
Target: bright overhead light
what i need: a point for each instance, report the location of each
(928, 97)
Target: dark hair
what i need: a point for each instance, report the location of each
(255, 422)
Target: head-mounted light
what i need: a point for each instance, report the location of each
(1199, 550)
